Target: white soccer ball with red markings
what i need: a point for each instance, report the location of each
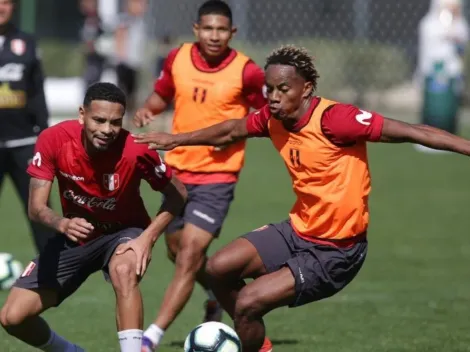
(10, 270)
(212, 337)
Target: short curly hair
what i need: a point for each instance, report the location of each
(104, 91)
(297, 57)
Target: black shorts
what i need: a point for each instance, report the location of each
(206, 208)
(64, 266)
(320, 271)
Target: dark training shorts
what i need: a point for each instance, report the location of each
(320, 271)
(206, 208)
(64, 265)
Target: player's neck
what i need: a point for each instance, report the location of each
(292, 121)
(213, 61)
(89, 150)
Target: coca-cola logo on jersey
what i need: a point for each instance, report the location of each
(91, 202)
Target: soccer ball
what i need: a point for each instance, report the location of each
(10, 270)
(212, 337)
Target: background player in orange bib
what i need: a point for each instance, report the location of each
(322, 246)
(209, 83)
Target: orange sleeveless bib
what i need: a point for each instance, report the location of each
(204, 99)
(332, 183)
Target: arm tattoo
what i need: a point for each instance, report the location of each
(37, 183)
(42, 213)
(49, 217)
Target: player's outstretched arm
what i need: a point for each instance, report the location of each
(394, 131)
(153, 106)
(226, 132)
(75, 229)
(175, 198)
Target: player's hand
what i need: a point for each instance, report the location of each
(77, 229)
(157, 140)
(142, 248)
(143, 117)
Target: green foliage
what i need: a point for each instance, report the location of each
(61, 58)
(357, 65)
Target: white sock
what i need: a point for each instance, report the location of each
(57, 343)
(154, 334)
(211, 295)
(130, 340)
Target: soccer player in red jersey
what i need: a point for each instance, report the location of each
(323, 244)
(209, 82)
(104, 225)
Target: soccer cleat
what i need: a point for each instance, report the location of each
(213, 311)
(147, 345)
(267, 346)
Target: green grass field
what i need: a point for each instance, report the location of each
(411, 295)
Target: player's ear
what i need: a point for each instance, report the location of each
(308, 89)
(196, 29)
(81, 114)
(234, 30)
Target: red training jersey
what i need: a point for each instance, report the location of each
(342, 124)
(103, 189)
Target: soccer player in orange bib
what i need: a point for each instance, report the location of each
(209, 83)
(322, 246)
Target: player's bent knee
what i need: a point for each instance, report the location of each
(124, 271)
(216, 267)
(123, 274)
(248, 304)
(4, 321)
(11, 316)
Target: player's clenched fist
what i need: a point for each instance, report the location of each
(77, 229)
(158, 140)
(143, 117)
